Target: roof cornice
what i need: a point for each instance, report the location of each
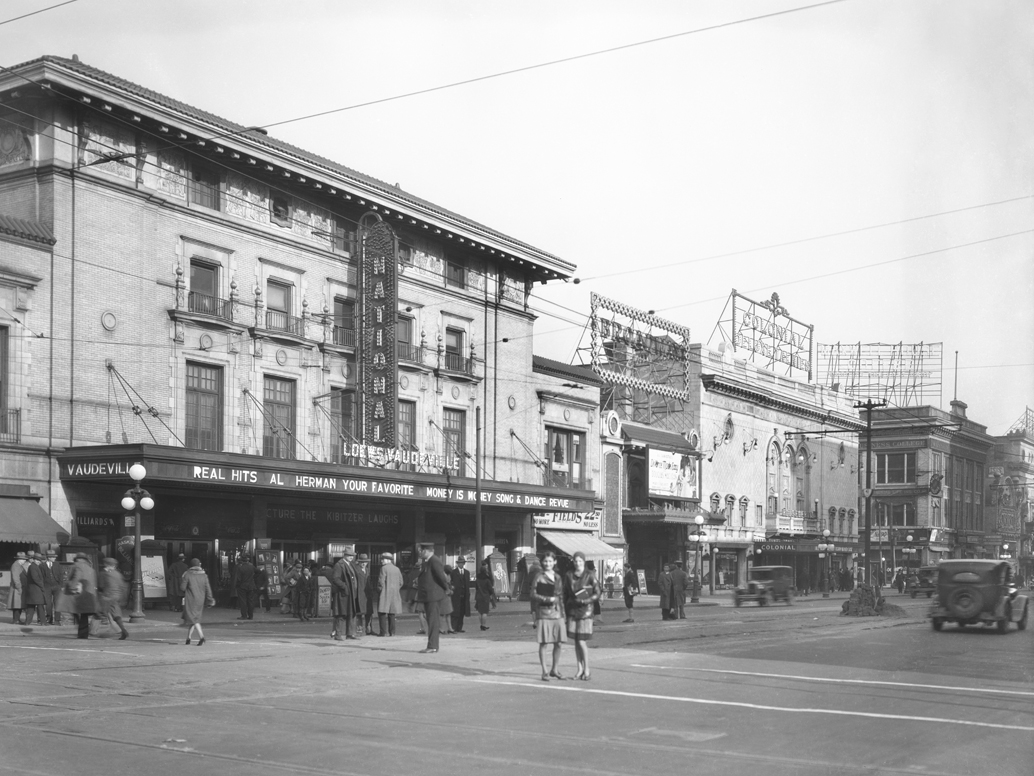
(724, 385)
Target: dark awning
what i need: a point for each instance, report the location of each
(648, 436)
(570, 542)
(659, 515)
(24, 521)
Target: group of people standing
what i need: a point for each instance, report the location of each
(35, 583)
(674, 583)
(563, 607)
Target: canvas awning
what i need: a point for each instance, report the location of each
(24, 521)
(570, 542)
(659, 438)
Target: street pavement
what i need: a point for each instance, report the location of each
(775, 690)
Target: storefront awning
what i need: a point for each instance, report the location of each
(24, 521)
(648, 436)
(570, 543)
(685, 517)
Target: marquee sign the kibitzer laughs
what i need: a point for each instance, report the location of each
(633, 348)
(379, 360)
(767, 333)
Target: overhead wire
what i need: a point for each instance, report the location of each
(34, 13)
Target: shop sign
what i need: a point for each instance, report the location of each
(94, 521)
(777, 547)
(577, 521)
(673, 474)
(378, 354)
(331, 516)
(372, 455)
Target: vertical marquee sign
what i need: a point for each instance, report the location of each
(378, 359)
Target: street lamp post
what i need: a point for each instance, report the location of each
(910, 553)
(697, 537)
(826, 551)
(1005, 554)
(137, 498)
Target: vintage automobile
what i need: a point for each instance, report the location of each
(766, 585)
(924, 581)
(977, 592)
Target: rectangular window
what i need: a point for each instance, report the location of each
(455, 275)
(278, 431)
(565, 455)
(897, 514)
(454, 358)
(404, 340)
(342, 420)
(278, 308)
(344, 322)
(344, 238)
(204, 407)
(204, 291)
(6, 429)
(759, 515)
(454, 424)
(203, 187)
(895, 468)
(406, 429)
(978, 485)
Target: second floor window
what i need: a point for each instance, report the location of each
(565, 454)
(280, 210)
(454, 424)
(344, 322)
(406, 429)
(895, 468)
(278, 419)
(203, 187)
(278, 309)
(204, 291)
(404, 340)
(897, 514)
(204, 407)
(454, 359)
(342, 414)
(4, 421)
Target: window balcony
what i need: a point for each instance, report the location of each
(276, 320)
(454, 362)
(789, 521)
(203, 304)
(344, 336)
(411, 353)
(10, 425)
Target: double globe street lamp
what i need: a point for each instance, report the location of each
(910, 553)
(137, 498)
(826, 551)
(697, 537)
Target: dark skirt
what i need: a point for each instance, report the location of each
(579, 629)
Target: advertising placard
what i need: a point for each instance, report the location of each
(673, 474)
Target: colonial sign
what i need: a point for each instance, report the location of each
(633, 348)
(766, 333)
(673, 475)
(379, 357)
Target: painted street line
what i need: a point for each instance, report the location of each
(71, 649)
(760, 707)
(839, 681)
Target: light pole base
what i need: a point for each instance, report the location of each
(137, 597)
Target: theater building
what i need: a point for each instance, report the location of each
(300, 355)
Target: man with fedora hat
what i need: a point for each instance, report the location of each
(174, 582)
(389, 601)
(33, 595)
(460, 579)
(432, 587)
(16, 591)
(51, 584)
(362, 581)
(244, 584)
(344, 597)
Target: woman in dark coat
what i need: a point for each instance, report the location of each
(664, 582)
(581, 591)
(484, 592)
(80, 594)
(197, 594)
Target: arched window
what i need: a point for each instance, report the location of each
(843, 519)
(786, 474)
(730, 508)
(851, 523)
(716, 502)
(802, 475)
(744, 506)
(772, 474)
(832, 519)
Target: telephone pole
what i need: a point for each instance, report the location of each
(868, 405)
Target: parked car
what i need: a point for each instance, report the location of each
(766, 585)
(972, 592)
(924, 581)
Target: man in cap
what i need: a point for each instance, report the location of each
(111, 588)
(244, 584)
(344, 600)
(174, 582)
(460, 579)
(16, 590)
(389, 602)
(432, 587)
(33, 595)
(51, 584)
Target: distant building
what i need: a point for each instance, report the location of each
(1010, 492)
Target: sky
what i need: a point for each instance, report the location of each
(871, 161)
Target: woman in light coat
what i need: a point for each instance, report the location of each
(197, 594)
(389, 600)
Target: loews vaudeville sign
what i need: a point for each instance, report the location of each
(323, 483)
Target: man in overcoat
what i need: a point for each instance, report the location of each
(344, 600)
(82, 593)
(432, 587)
(665, 584)
(389, 601)
(244, 584)
(51, 584)
(460, 579)
(16, 590)
(174, 582)
(362, 576)
(679, 585)
(35, 597)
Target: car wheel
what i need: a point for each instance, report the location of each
(965, 602)
(769, 598)
(1003, 625)
(1021, 624)
(937, 623)
(962, 625)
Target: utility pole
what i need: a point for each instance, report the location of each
(479, 549)
(868, 405)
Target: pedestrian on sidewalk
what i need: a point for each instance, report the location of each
(546, 594)
(373, 593)
(433, 587)
(302, 592)
(16, 590)
(665, 583)
(679, 585)
(51, 586)
(80, 594)
(581, 591)
(244, 584)
(362, 575)
(34, 595)
(389, 601)
(484, 592)
(174, 582)
(344, 597)
(262, 587)
(445, 605)
(460, 580)
(630, 589)
(111, 589)
(197, 594)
